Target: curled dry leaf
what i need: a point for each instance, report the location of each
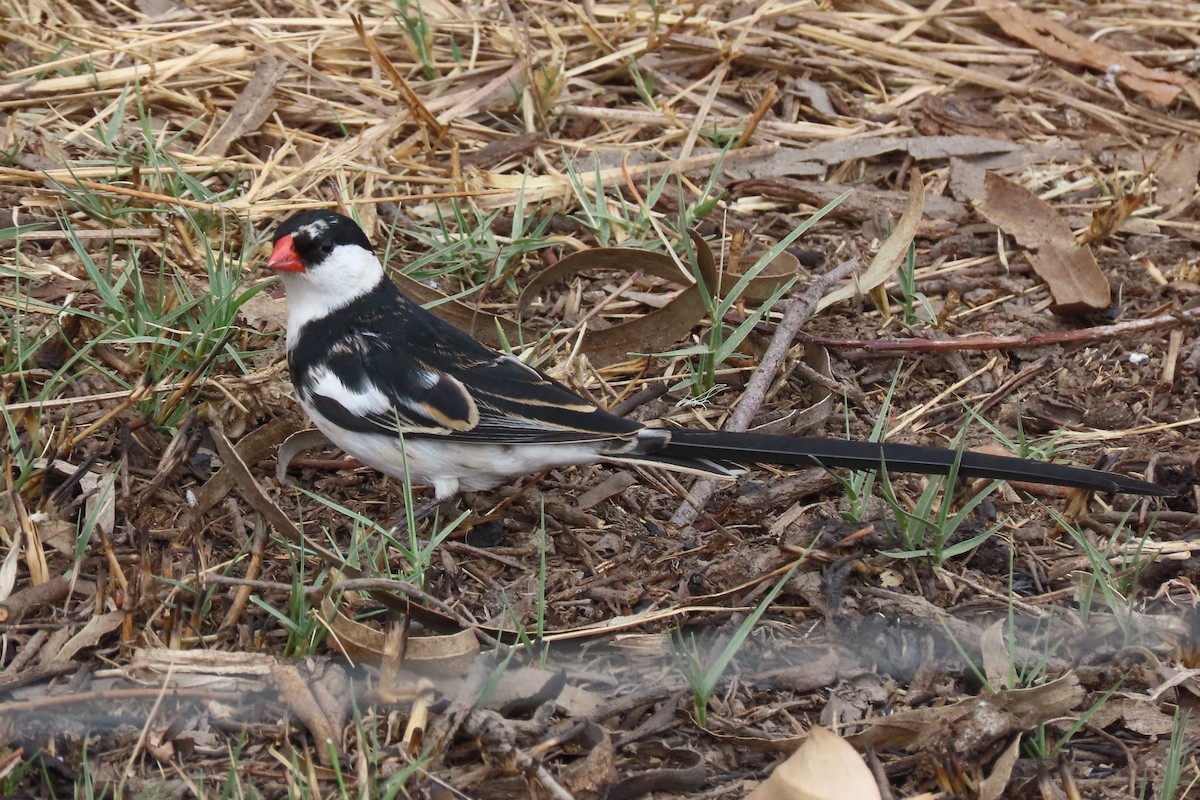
(1177, 177)
(254, 106)
(891, 253)
(1069, 269)
(996, 782)
(1063, 44)
(826, 767)
(664, 327)
(8, 569)
(588, 776)
(294, 445)
(96, 629)
(449, 655)
(679, 770)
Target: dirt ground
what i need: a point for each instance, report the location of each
(177, 621)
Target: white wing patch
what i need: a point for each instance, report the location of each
(426, 379)
(362, 403)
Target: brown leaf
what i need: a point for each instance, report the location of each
(427, 655)
(996, 656)
(294, 445)
(664, 327)
(1139, 714)
(994, 784)
(588, 776)
(254, 106)
(1068, 268)
(973, 724)
(1022, 214)
(826, 767)
(1177, 177)
(265, 313)
(294, 690)
(1074, 278)
(680, 770)
(891, 253)
(96, 629)
(1063, 44)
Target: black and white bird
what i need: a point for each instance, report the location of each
(406, 393)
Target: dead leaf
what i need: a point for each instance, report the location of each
(921, 148)
(826, 767)
(1139, 714)
(996, 782)
(1063, 44)
(254, 106)
(1068, 268)
(8, 570)
(294, 445)
(1022, 214)
(589, 775)
(681, 771)
(449, 655)
(265, 313)
(35, 559)
(95, 630)
(101, 504)
(664, 327)
(996, 658)
(613, 485)
(891, 253)
(1177, 177)
(974, 723)
(967, 180)
(866, 202)
(1074, 278)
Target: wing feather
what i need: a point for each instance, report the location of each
(381, 368)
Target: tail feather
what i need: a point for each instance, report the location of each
(722, 447)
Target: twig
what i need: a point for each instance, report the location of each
(798, 312)
(1099, 333)
(257, 547)
(38, 595)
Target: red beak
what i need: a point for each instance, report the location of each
(284, 256)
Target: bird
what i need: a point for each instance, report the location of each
(414, 397)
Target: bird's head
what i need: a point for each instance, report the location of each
(325, 261)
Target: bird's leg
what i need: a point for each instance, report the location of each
(419, 513)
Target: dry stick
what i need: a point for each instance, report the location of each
(798, 312)
(764, 105)
(114, 695)
(1189, 316)
(257, 547)
(38, 595)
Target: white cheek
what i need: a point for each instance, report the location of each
(346, 274)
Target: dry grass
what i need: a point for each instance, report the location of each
(161, 591)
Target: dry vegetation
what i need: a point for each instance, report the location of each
(176, 622)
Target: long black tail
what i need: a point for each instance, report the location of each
(748, 448)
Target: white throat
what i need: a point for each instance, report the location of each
(346, 274)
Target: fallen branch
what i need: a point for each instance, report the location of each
(798, 312)
(1099, 333)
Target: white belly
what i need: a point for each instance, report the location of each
(450, 466)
